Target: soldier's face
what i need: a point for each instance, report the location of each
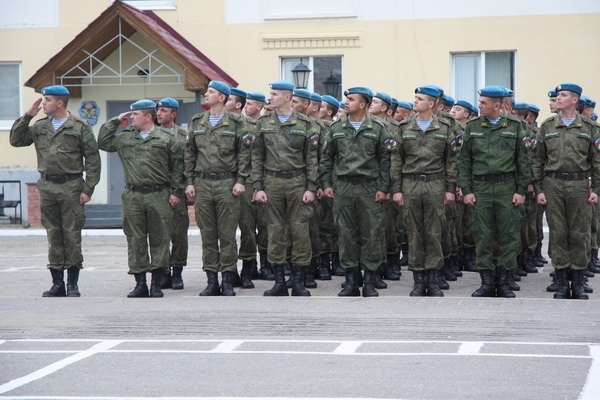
(278, 98)
(488, 106)
(401, 114)
(340, 114)
(552, 104)
(165, 115)
(253, 107)
(213, 97)
(139, 119)
(459, 113)
(323, 110)
(299, 104)
(566, 100)
(376, 106)
(49, 105)
(354, 104)
(422, 103)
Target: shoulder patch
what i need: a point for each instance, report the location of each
(248, 139)
(597, 144)
(526, 142)
(390, 144)
(314, 140)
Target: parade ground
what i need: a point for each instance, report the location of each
(106, 346)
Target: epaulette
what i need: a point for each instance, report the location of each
(445, 121)
(199, 115)
(404, 122)
(303, 117)
(379, 121)
(80, 120)
(548, 120)
(513, 118)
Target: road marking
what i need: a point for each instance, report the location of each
(347, 348)
(470, 348)
(188, 398)
(227, 346)
(591, 389)
(40, 373)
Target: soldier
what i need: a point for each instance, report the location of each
(463, 112)
(341, 111)
(423, 177)
(567, 155)
(448, 102)
(552, 101)
(285, 174)
(153, 165)
(165, 115)
(493, 175)
(254, 105)
(403, 111)
(217, 163)
(355, 169)
(65, 147)
(314, 109)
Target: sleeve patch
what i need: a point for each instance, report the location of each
(248, 139)
(314, 140)
(597, 143)
(390, 144)
(526, 142)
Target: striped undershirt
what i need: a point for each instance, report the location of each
(567, 121)
(283, 118)
(214, 120)
(57, 122)
(424, 123)
(356, 125)
(495, 120)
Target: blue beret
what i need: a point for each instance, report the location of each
(571, 87)
(220, 86)
(592, 103)
(282, 85)
(342, 104)
(493, 91)
(384, 96)
(594, 117)
(394, 102)
(436, 87)
(303, 93)
(405, 104)
(584, 100)
(533, 109)
(449, 100)
(56, 90)
(331, 100)
(316, 97)
(509, 93)
(467, 105)
(257, 96)
(429, 90)
(519, 105)
(359, 90)
(239, 92)
(168, 102)
(143, 104)
(552, 93)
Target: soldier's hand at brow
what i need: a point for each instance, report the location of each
(518, 200)
(308, 197)
(174, 200)
(448, 198)
(470, 200)
(380, 196)
(122, 116)
(541, 199)
(84, 198)
(328, 193)
(399, 198)
(35, 108)
(238, 189)
(593, 199)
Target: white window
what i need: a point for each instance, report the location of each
(10, 95)
(322, 68)
(472, 71)
(152, 4)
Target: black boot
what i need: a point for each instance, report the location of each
(236, 280)
(378, 282)
(298, 274)
(212, 287)
(336, 267)
(176, 279)
(502, 289)
(350, 285)
(553, 287)
(227, 283)
(562, 279)
(487, 288)
(395, 263)
(141, 288)
(433, 280)
(388, 269)
(167, 281)
(155, 291)
(324, 267)
(516, 277)
(309, 274)
(586, 287)
(593, 265)
(447, 273)
(510, 281)
(469, 263)
(538, 253)
(577, 291)
(279, 289)
(453, 266)
(287, 268)
(254, 270)
(521, 261)
(368, 286)
(72, 278)
(420, 288)
(58, 284)
(404, 259)
(266, 270)
(595, 257)
(441, 283)
(529, 266)
(247, 274)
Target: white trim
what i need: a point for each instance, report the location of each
(151, 4)
(6, 124)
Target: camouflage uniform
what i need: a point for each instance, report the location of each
(216, 158)
(181, 218)
(62, 155)
(153, 170)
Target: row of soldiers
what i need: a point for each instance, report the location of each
(391, 166)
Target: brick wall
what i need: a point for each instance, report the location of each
(33, 206)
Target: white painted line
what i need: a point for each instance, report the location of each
(347, 348)
(470, 348)
(2, 341)
(40, 373)
(227, 346)
(188, 398)
(591, 390)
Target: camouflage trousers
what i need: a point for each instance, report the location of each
(569, 219)
(327, 232)
(179, 238)
(217, 215)
(253, 226)
(424, 218)
(63, 217)
(147, 220)
(392, 244)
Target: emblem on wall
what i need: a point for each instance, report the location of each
(89, 111)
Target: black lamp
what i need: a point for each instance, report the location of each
(301, 74)
(332, 86)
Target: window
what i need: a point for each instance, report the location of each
(323, 68)
(10, 95)
(472, 71)
(152, 4)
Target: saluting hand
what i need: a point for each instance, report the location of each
(124, 115)
(35, 108)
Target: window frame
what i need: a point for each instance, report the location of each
(6, 124)
(310, 64)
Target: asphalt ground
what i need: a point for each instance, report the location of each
(104, 345)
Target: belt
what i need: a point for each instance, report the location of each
(570, 176)
(424, 177)
(214, 176)
(286, 174)
(495, 178)
(355, 179)
(61, 178)
(145, 189)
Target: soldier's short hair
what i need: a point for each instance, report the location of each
(239, 99)
(149, 111)
(64, 99)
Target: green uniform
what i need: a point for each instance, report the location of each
(181, 218)
(153, 169)
(284, 165)
(216, 158)
(356, 164)
(566, 156)
(62, 155)
(327, 232)
(424, 167)
(494, 165)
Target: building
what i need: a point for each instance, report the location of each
(110, 54)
